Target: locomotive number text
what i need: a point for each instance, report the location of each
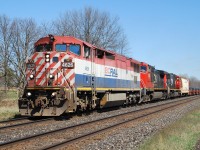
(68, 65)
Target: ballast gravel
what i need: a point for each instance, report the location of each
(126, 138)
(132, 137)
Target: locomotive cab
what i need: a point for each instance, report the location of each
(147, 75)
(147, 81)
(50, 79)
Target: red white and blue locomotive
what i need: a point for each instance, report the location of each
(66, 74)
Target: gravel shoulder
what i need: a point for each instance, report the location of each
(133, 137)
(126, 138)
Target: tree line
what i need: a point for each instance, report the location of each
(194, 82)
(17, 37)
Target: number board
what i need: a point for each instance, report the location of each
(68, 65)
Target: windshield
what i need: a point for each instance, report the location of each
(143, 68)
(43, 47)
(75, 48)
(61, 47)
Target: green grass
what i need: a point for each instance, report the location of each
(182, 135)
(8, 104)
(8, 112)
(9, 95)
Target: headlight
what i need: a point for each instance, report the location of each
(53, 94)
(51, 76)
(31, 76)
(47, 56)
(28, 94)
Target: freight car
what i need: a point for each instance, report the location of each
(191, 91)
(184, 86)
(66, 74)
(194, 91)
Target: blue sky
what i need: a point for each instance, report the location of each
(163, 33)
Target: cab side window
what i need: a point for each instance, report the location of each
(86, 51)
(136, 67)
(99, 54)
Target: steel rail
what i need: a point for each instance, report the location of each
(5, 144)
(87, 135)
(14, 119)
(26, 123)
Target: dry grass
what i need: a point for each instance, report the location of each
(6, 113)
(9, 95)
(8, 104)
(181, 135)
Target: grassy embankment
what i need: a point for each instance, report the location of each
(181, 135)
(8, 104)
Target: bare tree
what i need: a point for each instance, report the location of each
(6, 28)
(46, 28)
(93, 26)
(184, 75)
(25, 33)
(194, 82)
(123, 48)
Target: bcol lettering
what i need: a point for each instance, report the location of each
(112, 72)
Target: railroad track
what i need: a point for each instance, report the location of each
(20, 122)
(13, 120)
(65, 136)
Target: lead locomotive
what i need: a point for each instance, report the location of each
(66, 74)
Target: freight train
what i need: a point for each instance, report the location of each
(66, 74)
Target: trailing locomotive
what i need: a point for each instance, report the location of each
(66, 75)
(159, 84)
